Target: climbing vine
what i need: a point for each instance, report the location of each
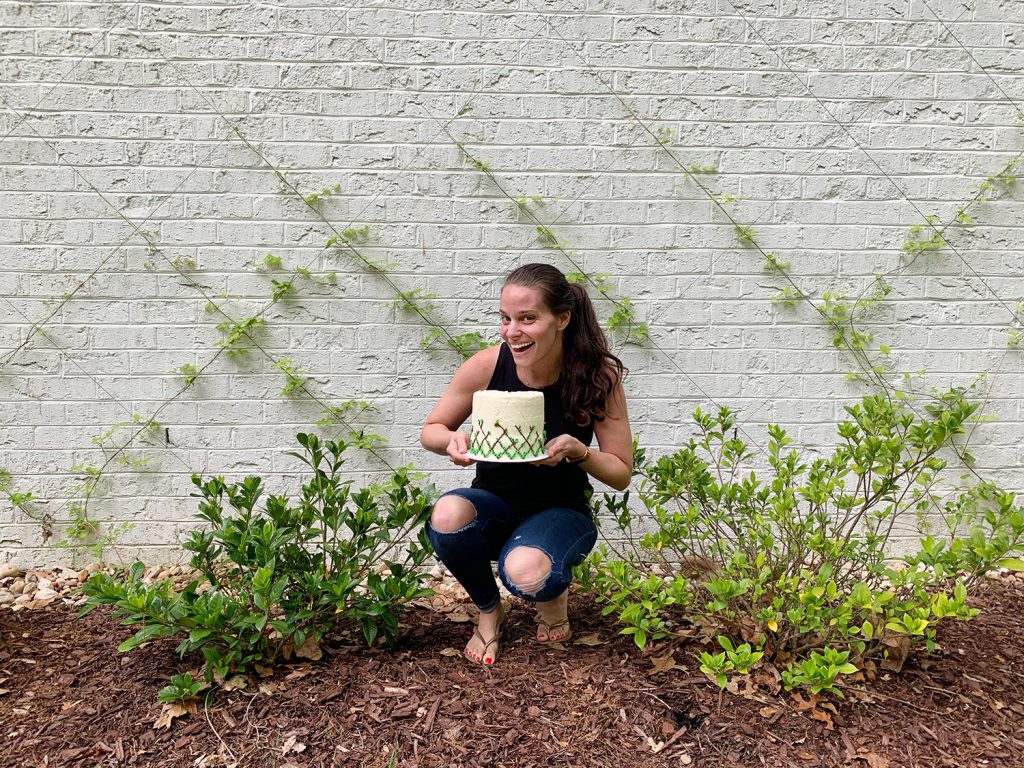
(238, 336)
(623, 322)
(842, 312)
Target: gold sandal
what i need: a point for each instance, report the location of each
(488, 643)
(548, 629)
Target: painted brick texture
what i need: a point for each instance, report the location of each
(151, 154)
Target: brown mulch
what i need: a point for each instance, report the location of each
(70, 699)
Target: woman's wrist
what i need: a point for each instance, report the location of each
(580, 459)
(437, 438)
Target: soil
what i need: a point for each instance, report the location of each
(69, 698)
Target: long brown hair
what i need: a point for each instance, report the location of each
(590, 371)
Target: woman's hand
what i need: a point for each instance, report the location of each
(457, 447)
(561, 448)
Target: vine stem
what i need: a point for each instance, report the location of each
(976, 199)
(857, 355)
(542, 227)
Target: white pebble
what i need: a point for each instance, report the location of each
(9, 569)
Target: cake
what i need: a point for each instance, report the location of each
(507, 426)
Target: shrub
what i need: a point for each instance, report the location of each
(275, 579)
(799, 566)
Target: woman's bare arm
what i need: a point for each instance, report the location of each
(440, 433)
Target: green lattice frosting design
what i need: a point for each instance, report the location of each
(500, 443)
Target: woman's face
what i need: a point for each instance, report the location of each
(533, 332)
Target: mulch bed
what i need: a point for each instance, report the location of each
(70, 699)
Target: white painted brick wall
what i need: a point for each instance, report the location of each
(125, 110)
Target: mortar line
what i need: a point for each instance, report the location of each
(971, 55)
(70, 358)
(199, 287)
(874, 162)
(31, 332)
(67, 74)
(683, 168)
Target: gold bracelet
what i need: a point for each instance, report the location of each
(581, 459)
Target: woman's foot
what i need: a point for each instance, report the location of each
(553, 620)
(483, 645)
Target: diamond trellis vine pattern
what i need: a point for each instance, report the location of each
(500, 443)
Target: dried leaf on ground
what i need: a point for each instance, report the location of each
(236, 683)
(664, 663)
(310, 650)
(292, 744)
(595, 705)
(897, 652)
(172, 710)
(823, 717)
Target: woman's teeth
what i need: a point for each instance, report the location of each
(521, 347)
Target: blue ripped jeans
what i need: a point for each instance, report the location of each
(564, 535)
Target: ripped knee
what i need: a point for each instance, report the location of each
(452, 513)
(527, 569)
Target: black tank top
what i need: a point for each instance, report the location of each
(529, 488)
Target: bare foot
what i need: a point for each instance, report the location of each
(553, 620)
(483, 645)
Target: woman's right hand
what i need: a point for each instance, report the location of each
(457, 448)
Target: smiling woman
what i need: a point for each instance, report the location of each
(532, 517)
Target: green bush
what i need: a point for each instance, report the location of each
(275, 579)
(799, 566)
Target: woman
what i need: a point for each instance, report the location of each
(532, 518)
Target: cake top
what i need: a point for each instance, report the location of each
(496, 395)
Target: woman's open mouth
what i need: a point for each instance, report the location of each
(520, 348)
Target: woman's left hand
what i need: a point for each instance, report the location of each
(561, 448)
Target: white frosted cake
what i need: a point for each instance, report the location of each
(507, 426)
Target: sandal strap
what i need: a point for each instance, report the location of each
(497, 635)
(549, 627)
(486, 643)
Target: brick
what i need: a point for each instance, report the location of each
(326, 110)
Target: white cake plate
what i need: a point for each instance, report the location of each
(507, 460)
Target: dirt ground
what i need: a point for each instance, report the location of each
(68, 698)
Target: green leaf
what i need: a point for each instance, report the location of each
(369, 631)
(199, 634)
(1011, 564)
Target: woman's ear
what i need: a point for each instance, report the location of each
(563, 320)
